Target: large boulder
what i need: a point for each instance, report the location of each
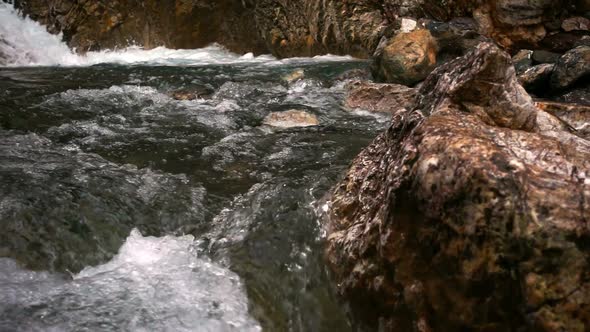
(571, 67)
(405, 59)
(469, 213)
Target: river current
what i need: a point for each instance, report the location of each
(122, 208)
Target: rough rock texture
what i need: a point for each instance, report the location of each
(571, 67)
(383, 98)
(284, 28)
(197, 92)
(407, 58)
(470, 213)
(575, 115)
(579, 95)
(576, 23)
(92, 25)
(536, 79)
(523, 60)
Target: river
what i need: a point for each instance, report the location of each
(123, 208)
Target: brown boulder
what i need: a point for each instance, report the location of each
(405, 59)
(468, 213)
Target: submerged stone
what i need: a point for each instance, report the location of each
(291, 119)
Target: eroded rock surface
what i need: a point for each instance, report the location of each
(406, 59)
(383, 98)
(293, 28)
(571, 67)
(468, 213)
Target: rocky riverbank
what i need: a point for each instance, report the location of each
(471, 212)
(303, 28)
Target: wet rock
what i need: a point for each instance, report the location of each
(523, 60)
(192, 94)
(355, 74)
(571, 67)
(383, 98)
(291, 119)
(540, 56)
(468, 212)
(294, 76)
(575, 115)
(536, 79)
(406, 59)
(576, 23)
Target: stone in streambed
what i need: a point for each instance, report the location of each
(295, 76)
(291, 119)
(468, 213)
(192, 93)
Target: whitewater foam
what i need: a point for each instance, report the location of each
(24, 42)
(152, 284)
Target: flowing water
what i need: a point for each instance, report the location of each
(123, 208)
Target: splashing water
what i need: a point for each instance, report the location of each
(34, 46)
(152, 284)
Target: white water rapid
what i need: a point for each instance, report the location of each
(34, 46)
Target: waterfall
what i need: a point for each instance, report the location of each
(24, 42)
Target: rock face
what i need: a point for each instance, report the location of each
(93, 25)
(406, 59)
(468, 213)
(288, 28)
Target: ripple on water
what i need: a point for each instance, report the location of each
(64, 209)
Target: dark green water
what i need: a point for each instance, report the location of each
(88, 154)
